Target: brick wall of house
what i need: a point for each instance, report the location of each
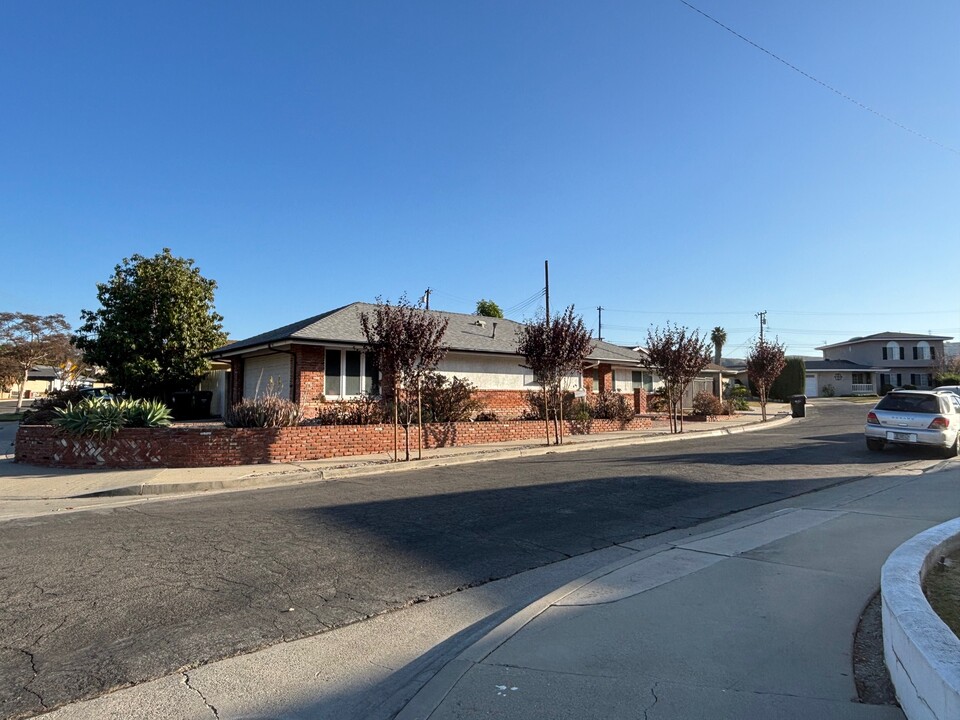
(308, 378)
(507, 404)
(209, 447)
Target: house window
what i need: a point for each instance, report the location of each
(348, 373)
(923, 351)
(893, 351)
(861, 378)
(642, 380)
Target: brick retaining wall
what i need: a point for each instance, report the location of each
(216, 446)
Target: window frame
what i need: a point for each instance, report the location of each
(365, 358)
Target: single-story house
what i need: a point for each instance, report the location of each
(322, 358)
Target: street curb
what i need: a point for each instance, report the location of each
(433, 693)
(293, 477)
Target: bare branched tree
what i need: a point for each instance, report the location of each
(678, 355)
(554, 348)
(764, 364)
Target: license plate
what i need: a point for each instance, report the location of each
(902, 437)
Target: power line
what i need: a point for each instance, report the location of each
(827, 86)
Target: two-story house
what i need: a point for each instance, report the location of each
(865, 365)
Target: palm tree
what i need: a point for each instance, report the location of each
(718, 337)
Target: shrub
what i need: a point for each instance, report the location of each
(790, 381)
(104, 418)
(738, 398)
(486, 416)
(657, 402)
(909, 387)
(43, 411)
(581, 417)
(828, 391)
(885, 388)
(612, 406)
(536, 409)
(947, 378)
(708, 404)
(366, 410)
(447, 400)
(264, 411)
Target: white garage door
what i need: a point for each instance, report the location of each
(258, 373)
(810, 387)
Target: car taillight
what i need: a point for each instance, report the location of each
(872, 418)
(939, 423)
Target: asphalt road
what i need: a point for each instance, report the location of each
(97, 600)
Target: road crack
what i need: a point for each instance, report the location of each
(33, 669)
(186, 681)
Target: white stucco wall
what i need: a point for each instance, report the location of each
(489, 372)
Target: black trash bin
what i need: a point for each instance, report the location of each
(798, 405)
(202, 400)
(181, 405)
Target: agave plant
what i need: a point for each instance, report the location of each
(103, 418)
(147, 414)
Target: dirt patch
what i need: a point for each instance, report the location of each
(869, 669)
(942, 589)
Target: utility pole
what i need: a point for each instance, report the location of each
(763, 321)
(426, 297)
(599, 322)
(546, 281)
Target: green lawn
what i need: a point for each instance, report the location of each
(10, 417)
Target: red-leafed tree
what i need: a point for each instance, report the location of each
(764, 364)
(554, 348)
(406, 343)
(677, 355)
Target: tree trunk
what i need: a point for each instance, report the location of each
(560, 411)
(763, 404)
(546, 413)
(419, 422)
(23, 389)
(396, 422)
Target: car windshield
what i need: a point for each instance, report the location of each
(910, 403)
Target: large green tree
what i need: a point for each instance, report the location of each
(155, 324)
(488, 308)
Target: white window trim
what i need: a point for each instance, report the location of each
(343, 373)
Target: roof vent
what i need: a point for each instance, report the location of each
(480, 323)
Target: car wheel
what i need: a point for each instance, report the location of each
(875, 444)
(953, 450)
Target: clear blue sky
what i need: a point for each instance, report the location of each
(311, 154)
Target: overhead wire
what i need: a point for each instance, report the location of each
(818, 81)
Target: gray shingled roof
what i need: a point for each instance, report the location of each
(839, 365)
(885, 336)
(464, 334)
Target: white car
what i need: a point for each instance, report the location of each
(916, 417)
(955, 389)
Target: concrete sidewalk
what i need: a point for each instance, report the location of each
(748, 616)
(19, 483)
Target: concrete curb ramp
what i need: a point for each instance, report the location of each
(921, 652)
